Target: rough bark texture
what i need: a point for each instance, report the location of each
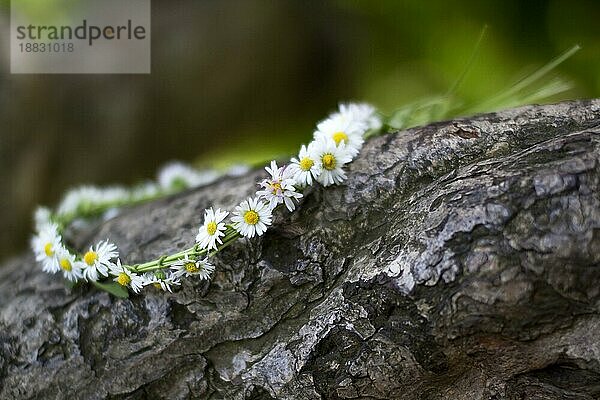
(460, 260)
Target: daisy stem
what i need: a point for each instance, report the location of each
(231, 236)
(225, 244)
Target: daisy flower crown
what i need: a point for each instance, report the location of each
(337, 140)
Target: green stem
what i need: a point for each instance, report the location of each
(231, 236)
(225, 244)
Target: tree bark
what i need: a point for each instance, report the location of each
(460, 260)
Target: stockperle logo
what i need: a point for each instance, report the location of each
(80, 36)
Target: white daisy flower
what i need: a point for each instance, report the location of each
(125, 277)
(251, 217)
(73, 198)
(85, 197)
(144, 190)
(111, 213)
(45, 246)
(342, 129)
(237, 170)
(41, 217)
(113, 194)
(279, 188)
(177, 175)
(213, 229)
(188, 267)
(70, 268)
(97, 260)
(161, 280)
(362, 112)
(330, 159)
(304, 168)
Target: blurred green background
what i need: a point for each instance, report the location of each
(247, 80)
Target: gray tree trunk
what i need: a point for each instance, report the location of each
(460, 260)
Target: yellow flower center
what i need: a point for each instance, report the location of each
(90, 257)
(211, 227)
(306, 164)
(65, 264)
(328, 161)
(191, 267)
(340, 136)
(157, 285)
(275, 187)
(251, 217)
(123, 279)
(48, 249)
